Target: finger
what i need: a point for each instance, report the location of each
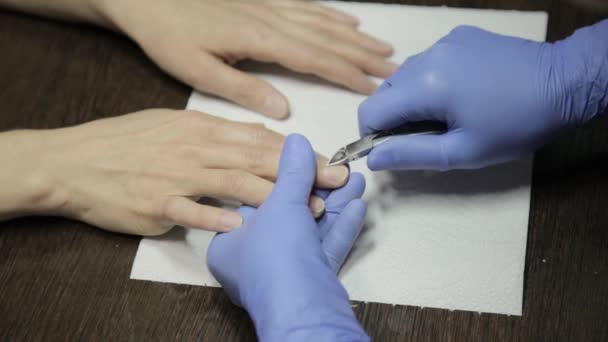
(307, 58)
(238, 185)
(370, 63)
(235, 185)
(338, 199)
(338, 31)
(264, 162)
(208, 74)
(396, 105)
(341, 237)
(204, 129)
(234, 133)
(185, 212)
(315, 9)
(296, 171)
(432, 152)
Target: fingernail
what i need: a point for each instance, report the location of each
(383, 46)
(390, 68)
(230, 221)
(335, 175)
(276, 107)
(351, 19)
(367, 87)
(317, 206)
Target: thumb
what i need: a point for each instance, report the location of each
(400, 102)
(297, 170)
(421, 152)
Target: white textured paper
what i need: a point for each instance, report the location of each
(454, 240)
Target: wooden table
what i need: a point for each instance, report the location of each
(62, 280)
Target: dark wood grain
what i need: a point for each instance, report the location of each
(62, 280)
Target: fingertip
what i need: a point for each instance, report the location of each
(296, 143)
(317, 206)
(389, 69)
(334, 176)
(366, 86)
(385, 49)
(229, 221)
(348, 19)
(276, 106)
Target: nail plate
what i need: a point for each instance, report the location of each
(230, 221)
(317, 206)
(335, 175)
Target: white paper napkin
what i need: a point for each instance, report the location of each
(454, 240)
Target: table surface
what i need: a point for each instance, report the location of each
(64, 280)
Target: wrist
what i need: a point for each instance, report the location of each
(26, 189)
(313, 308)
(118, 15)
(584, 63)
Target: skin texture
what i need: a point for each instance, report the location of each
(140, 173)
(198, 41)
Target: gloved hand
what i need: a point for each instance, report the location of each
(281, 264)
(501, 97)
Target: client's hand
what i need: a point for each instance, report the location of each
(141, 173)
(196, 41)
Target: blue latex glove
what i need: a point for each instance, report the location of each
(501, 97)
(281, 264)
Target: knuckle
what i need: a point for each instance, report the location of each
(234, 182)
(186, 151)
(259, 135)
(149, 222)
(255, 159)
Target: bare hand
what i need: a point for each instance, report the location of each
(197, 41)
(141, 173)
